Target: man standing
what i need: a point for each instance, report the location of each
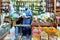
(27, 20)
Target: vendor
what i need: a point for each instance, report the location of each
(27, 16)
(27, 20)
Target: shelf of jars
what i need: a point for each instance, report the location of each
(35, 6)
(50, 6)
(57, 4)
(5, 6)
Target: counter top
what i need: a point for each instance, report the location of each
(4, 30)
(1, 37)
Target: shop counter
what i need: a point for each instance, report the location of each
(19, 26)
(4, 30)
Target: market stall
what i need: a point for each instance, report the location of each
(45, 19)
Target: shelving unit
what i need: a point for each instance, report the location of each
(0, 19)
(0, 5)
(58, 7)
(0, 11)
(57, 10)
(34, 5)
(49, 5)
(5, 6)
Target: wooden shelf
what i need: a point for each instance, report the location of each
(5, 2)
(58, 0)
(51, 3)
(57, 15)
(58, 6)
(48, 24)
(52, 0)
(57, 10)
(49, 11)
(50, 7)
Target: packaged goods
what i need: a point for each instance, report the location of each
(44, 36)
(58, 34)
(40, 29)
(35, 33)
(35, 38)
(35, 30)
(53, 37)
